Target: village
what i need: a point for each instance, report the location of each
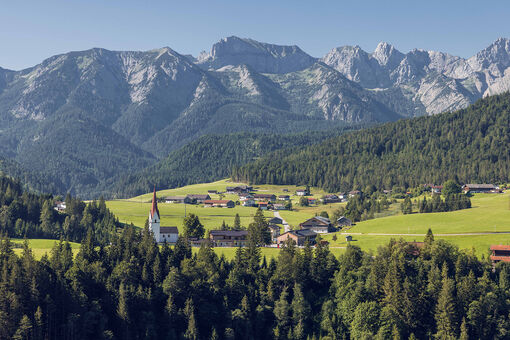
(305, 233)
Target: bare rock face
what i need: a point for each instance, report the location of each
(437, 81)
(262, 57)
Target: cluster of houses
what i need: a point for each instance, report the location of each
(471, 188)
(308, 231)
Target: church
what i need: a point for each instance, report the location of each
(161, 234)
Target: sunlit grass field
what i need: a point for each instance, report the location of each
(40, 246)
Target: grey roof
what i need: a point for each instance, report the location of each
(195, 196)
(175, 198)
(481, 186)
(323, 219)
(305, 232)
(343, 218)
(168, 230)
(229, 232)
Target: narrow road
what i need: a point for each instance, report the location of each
(285, 224)
(457, 234)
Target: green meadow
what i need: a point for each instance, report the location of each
(40, 246)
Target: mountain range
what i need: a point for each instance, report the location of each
(86, 117)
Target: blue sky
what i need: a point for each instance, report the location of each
(32, 30)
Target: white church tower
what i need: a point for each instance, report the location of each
(154, 220)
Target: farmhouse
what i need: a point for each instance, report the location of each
(212, 191)
(343, 222)
(318, 224)
(199, 199)
(228, 238)
(480, 188)
(263, 205)
(275, 220)
(177, 199)
(219, 204)
(299, 236)
(283, 197)
(239, 189)
(279, 207)
(312, 200)
(275, 232)
(161, 234)
(60, 206)
(331, 199)
(354, 193)
(264, 197)
(500, 253)
(249, 202)
(302, 192)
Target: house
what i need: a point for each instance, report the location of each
(211, 192)
(348, 238)
(386, 192)
(342, 196)
(318, 224)
(198, 199)
(299, 236)
(161, 234)
(264, 197)
(283, 197)
(275, 232)
(60, 206)
(249, 202)
(481, 188)
(177, 199)
(219, 204)
(415, 248)
(244, 196)
(330, 199)
(436, 189)
(228, 238)
(500, 253)
(238, 189)
(279, 207)
(354, 193)
(343, 222)
(312, 200)
(263, 205)
(275, 220)
(302, 192)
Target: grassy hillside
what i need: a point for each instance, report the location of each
(490, 214)
(40, 246)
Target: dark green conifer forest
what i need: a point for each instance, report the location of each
(470, 145)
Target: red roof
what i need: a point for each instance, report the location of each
(500, 247)
(500, 258)
(154, 207)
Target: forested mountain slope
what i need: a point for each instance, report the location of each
(471, 145)
(212, 157)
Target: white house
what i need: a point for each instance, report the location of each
(161, 234)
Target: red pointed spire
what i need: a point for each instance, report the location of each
(154, 203)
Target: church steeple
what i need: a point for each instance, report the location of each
(154, 207)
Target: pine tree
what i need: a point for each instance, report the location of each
(192, 330)
(24, 331)
(300, 313)
(464, 335)
(237, 222)
(446, 314)
(282, 314)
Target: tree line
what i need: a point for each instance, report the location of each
(470, 145)
(134, 289)
(31, 215)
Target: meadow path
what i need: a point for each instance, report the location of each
(285, 224)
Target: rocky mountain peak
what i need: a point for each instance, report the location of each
(263, 57)
(387, 55)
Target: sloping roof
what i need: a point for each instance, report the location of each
(175, 198)
(323, 219)
(217, 201)
(272, 226)
(263, 195)
(154, 207)
(343, 218)
(228, 232)
(305, 232)
(318, 221)
(480, 186)
(500, 247)
(168, 230)
(199, 197)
